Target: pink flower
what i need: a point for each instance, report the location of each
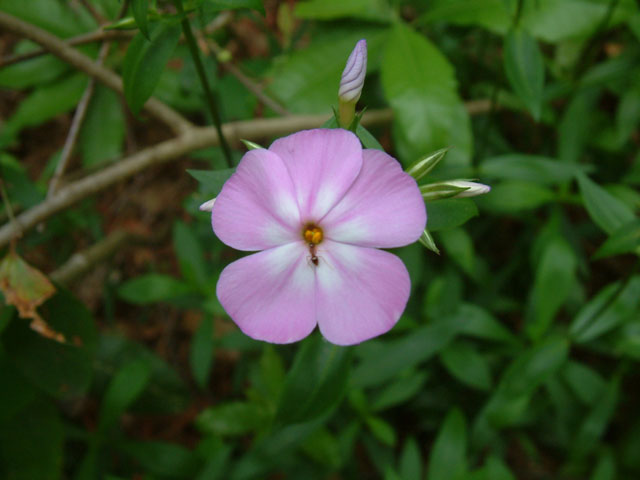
(318, 207)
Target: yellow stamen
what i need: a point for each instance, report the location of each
(312, 234)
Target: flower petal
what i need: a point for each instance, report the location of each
(360, 293)
(270, 295)
(382, 209)
(256, 208)
(323, 164)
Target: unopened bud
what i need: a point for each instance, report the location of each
(207, 206)
(420, 168)
(354, 72)
(352, 82)
(472, 189)
(452, 189)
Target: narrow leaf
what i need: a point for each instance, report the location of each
(524, 67)
(145, 61)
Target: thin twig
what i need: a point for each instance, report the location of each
(97, 16)
(104, 36)
(13, 223)
(249, 84)
(97, 36)
(76, 124)
(81, 262)
(193, 139)
(60, 49)
(204, 82)
(81, 112)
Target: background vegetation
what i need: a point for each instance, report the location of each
(517, 355)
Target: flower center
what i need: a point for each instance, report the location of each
(312, 234)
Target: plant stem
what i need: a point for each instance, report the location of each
(202, 75)
(17, 230)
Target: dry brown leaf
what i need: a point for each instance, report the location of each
(26, 288)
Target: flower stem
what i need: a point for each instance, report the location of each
(202, 75)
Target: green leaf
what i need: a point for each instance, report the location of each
(383, 361)
(478, 323)
(529, 168)
(596, 422)
(585, 382)
(448, 455)
(459, 247)
(17, 391)
(125, 387)
(577, 125)
(103, 130)
(210, 6)
(162, 458)
(212, 180)
(167, 392)
(614, 305)
(399, 391)
(515, 196)
(368, 140)
(381, 430)
(523, 377)
(467, 365)
(410, 461)
(139, 9)
(54, 17)
(63, 370)
(201, 353)
(449, 213)
(145, 61)
(548, 20)
(497, 470)
(555, 276)
(152, 288)
(605, 210)
(190, 256)
(31, 73)
(231, 419)
(625, 239)
(316, 382)
(524, 67)
(335, 9)
(421, 87)
(605, 468)
(323, 447)
(307, 81)
(32, 442)
(45, 103)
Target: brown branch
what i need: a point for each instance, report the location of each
(85, 64)
(190, 140)
(81, 262)
(97, 36)
(76, 124)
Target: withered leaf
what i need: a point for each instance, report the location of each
(26, 288)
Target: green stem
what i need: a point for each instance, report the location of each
(518, 15)
(202, 75)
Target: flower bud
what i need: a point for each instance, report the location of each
(452, 189)
(472, 189)
(420, 168)
(207, 206)
(351, 83)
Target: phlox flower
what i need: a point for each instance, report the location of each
(317, 208)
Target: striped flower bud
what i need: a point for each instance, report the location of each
(351, 83)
